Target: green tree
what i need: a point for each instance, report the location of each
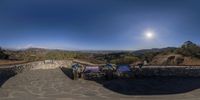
(3, 55)
(189, 49)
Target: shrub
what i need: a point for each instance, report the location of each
(3, 55)
(189, 49)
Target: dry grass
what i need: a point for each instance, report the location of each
(10, 62)
(191, 61)
(188, 61)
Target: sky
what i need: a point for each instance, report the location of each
(98, 24)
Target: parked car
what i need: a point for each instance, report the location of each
(124, 71)
(91, 72)
(76, 71)
(108, 70)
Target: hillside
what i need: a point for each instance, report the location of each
(187, 54)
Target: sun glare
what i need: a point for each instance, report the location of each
(149, 35)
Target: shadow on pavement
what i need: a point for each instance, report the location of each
(5, 74)
(148, 85)
(153, 85)
(67, 72)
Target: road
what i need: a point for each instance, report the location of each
(53, 84)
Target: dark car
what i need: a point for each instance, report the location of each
(91, 72)
(124, 71)
(76, 70)
(108, 70)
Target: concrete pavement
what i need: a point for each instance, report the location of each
(53, 84)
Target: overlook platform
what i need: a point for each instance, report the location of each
(36, 82)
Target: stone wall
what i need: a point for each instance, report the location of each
(37, 65)
(168, 71)
(55, 64)
(146, 71)
(8, 71)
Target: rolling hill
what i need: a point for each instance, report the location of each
(186, 54)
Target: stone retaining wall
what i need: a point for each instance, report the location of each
(37, 65)
(9, 71)
(168, 71)
(146, 71)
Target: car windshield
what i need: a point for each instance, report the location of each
(123, 68)
(91, 69)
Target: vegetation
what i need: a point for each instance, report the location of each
(59, 55)
(125, 60)
(189, 49)
(3, 55)
(119, 58)
(54, 55)
(148, 56)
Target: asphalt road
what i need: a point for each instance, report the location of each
(55, 85)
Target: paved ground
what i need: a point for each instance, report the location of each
(54, 84)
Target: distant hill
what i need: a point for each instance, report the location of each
(186, 54)
(154, 50)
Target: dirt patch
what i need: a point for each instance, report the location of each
(11, 62)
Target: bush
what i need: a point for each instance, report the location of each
(125, 60)
(190, 49)
(3, 55)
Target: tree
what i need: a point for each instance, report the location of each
(3, 55)
(189, 49)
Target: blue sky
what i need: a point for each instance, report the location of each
(98, 24)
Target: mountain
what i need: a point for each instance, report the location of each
(154, 50)
(186, 54)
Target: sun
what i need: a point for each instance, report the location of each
(149, 35)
